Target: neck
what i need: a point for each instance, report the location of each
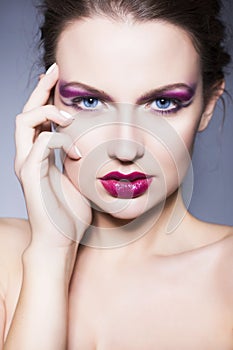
(159, 226)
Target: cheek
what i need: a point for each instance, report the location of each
(82, 174)
(71, 169)
(180, 151)
(92, 141)
(93, 146)
(172, 162)
(173, 145)
(187, 131)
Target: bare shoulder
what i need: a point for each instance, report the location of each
(222, 243)
(216, 246)
(224, 259)
(14, 235)
(14, 238)
(226, 242)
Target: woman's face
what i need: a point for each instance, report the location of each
(136, 93)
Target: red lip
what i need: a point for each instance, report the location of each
(116, 175)
(126, 185)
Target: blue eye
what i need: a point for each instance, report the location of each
(164, 105)
(90, 102)
(86, 103)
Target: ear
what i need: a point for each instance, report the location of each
(209, 108)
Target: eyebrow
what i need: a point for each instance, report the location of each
(76, 89)
(73, 89)
(180, 90)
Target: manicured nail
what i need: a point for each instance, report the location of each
(67, 115)
(51, 68)
(77, 151)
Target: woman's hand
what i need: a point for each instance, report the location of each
(58, 213)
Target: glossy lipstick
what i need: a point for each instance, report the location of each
(126, 185)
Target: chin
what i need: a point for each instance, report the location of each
(124, 209)
(126, 215)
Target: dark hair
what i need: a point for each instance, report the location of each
(199, 18)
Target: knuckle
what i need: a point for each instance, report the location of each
(61, 139)
(23, 171)
(26, 170)
(21, 168)
(50, 109)
(19, 118)
(17, 168)
(44, 136)
(26, 107)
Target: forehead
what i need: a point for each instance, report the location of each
(102, 53)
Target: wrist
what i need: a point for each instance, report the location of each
(38, 259)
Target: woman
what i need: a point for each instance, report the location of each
(133, 83)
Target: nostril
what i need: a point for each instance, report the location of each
(125, 150)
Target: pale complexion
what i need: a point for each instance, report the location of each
(161, 291)
(147, 62)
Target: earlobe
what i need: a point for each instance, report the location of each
(209, 108)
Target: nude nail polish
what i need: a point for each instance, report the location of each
(51, 68)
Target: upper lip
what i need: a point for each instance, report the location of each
(116, 175)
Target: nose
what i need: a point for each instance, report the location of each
(127, 145)
(125, 150)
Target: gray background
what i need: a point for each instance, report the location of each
(213, 160)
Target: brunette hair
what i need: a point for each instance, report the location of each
(199, 18)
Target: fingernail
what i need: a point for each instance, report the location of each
(77, 151)
(51, 68)
(66, 115)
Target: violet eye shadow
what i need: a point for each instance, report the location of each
(184, 95)
(71, 92)
(181, 92)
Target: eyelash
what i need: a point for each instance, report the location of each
(178, 104)
(74, 103)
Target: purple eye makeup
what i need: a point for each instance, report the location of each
(165, 100)
(82, 97)
(181, 92)
(73, 90)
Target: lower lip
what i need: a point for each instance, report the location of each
(126, 189)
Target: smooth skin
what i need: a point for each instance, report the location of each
(159, 292)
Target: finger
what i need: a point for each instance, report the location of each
(43, 127)
(26, 123)
(41, 93)
(71, 198)
(47, 142)
(38, 161)
(42, 115)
